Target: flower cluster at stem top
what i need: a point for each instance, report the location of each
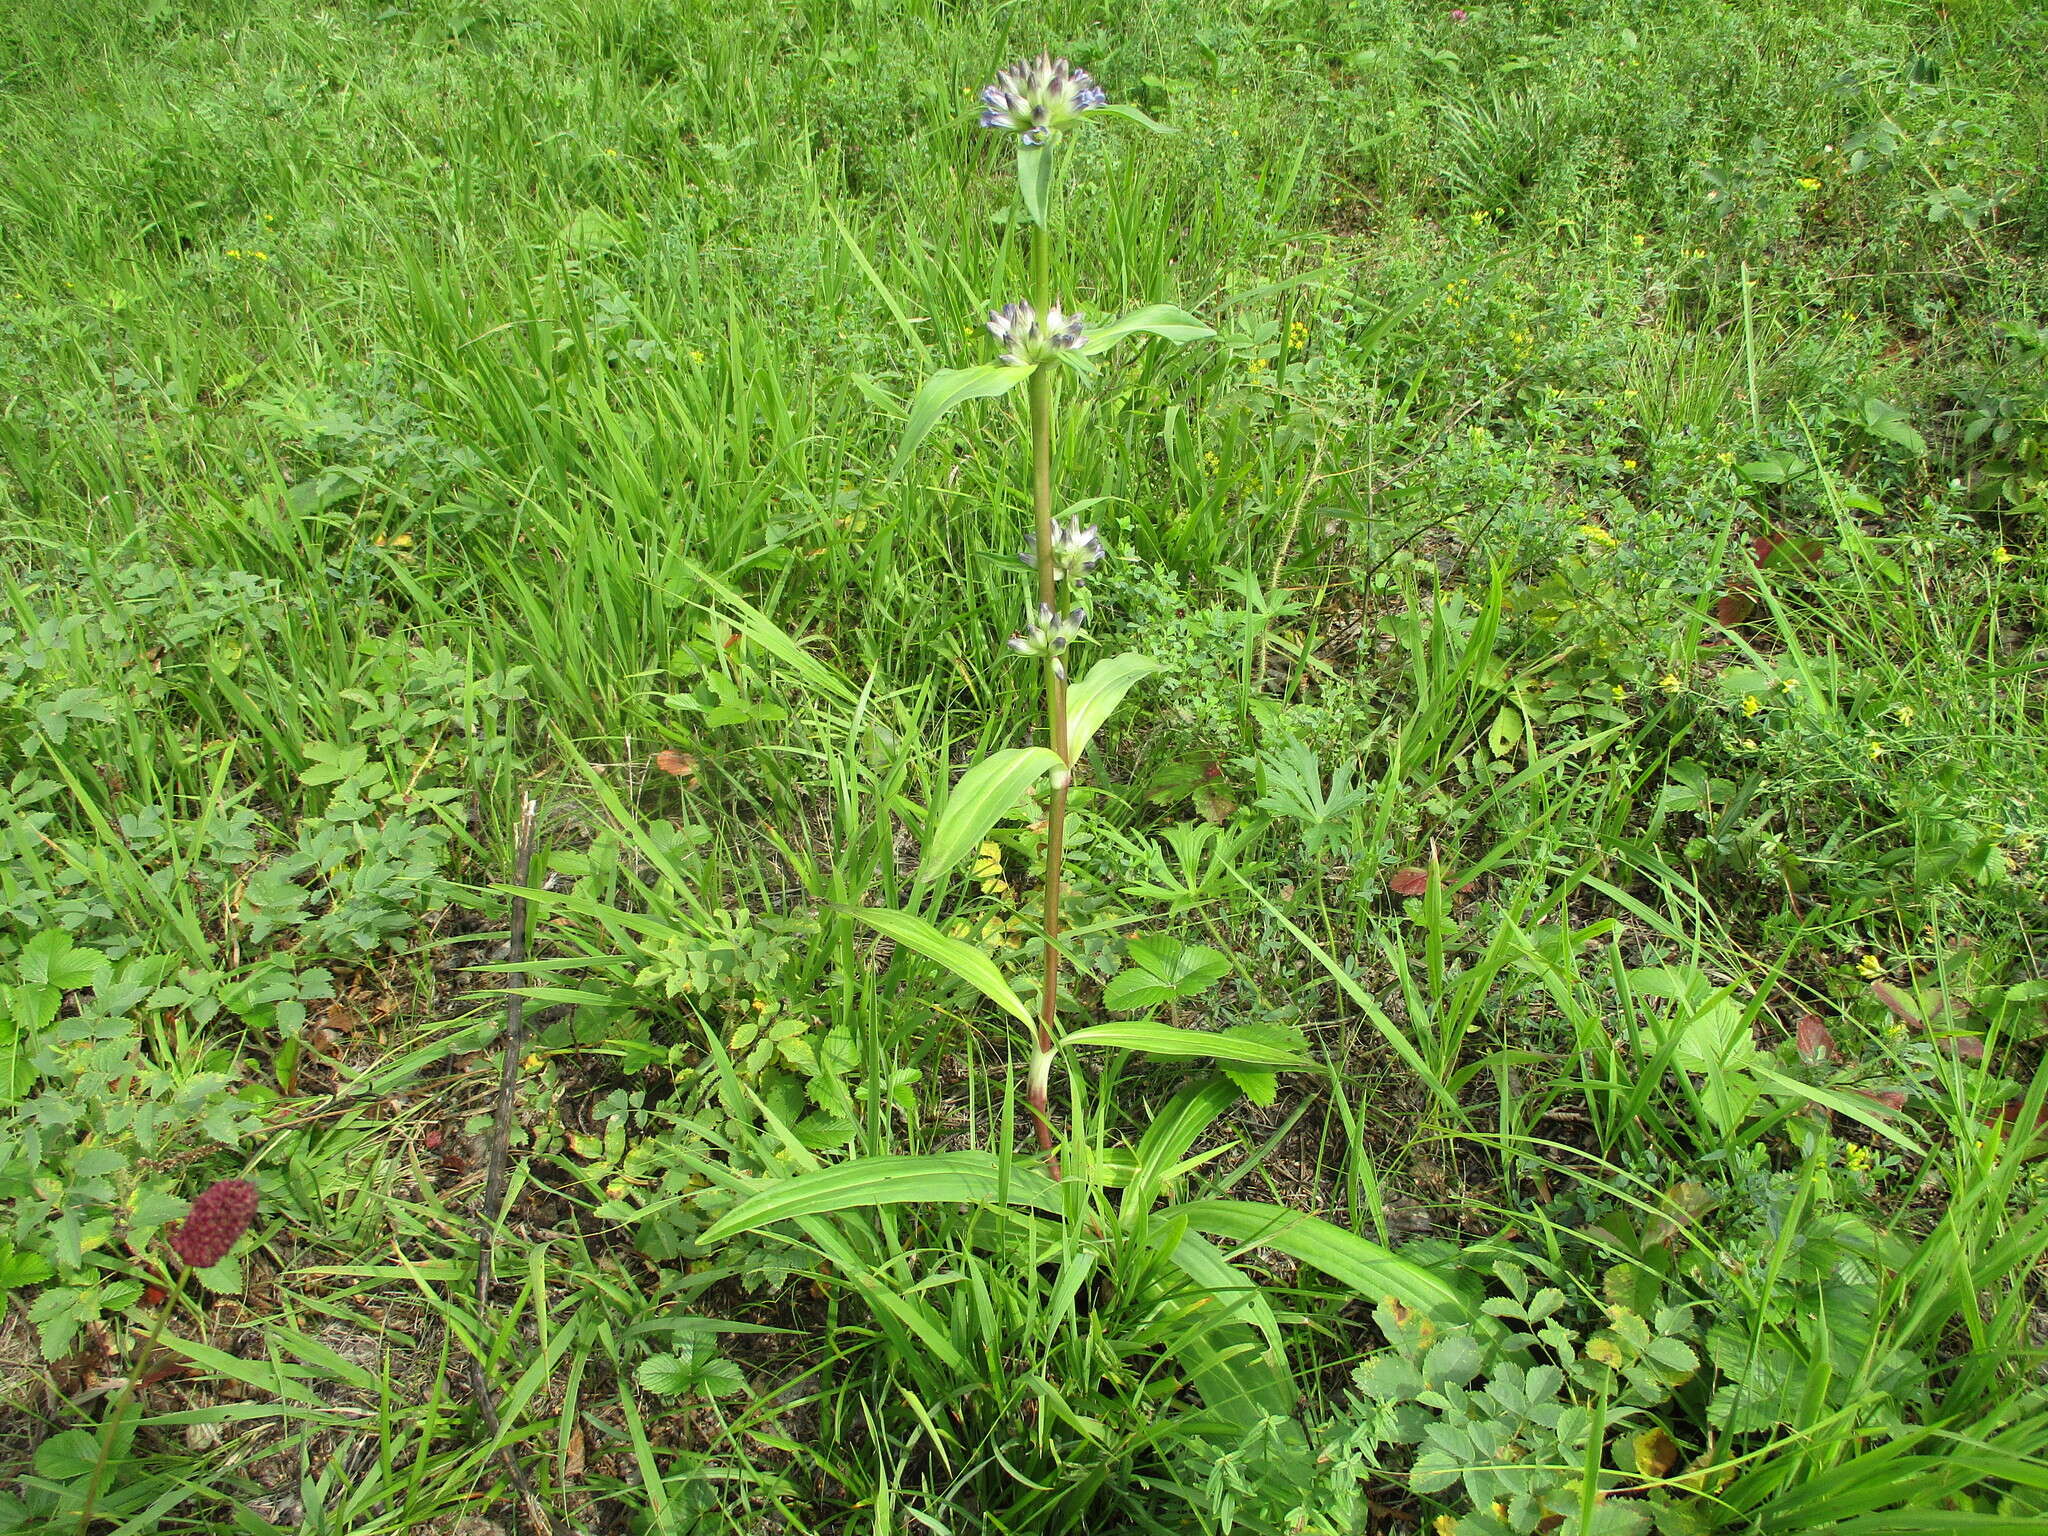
(1033, 97)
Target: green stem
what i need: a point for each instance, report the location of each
(1039, 1091)
(111, 1428)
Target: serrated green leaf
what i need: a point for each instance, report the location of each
(222, 1279)
(68, 1454)
(963, 960)
(666, 1375)
(985, 794)
(1454, 1359)
(1094, 698)
(51, 960)
(1181, 970)
(721, 1378)
(949, 388)
(969, 1177)
(1165, 321)
(18, 1269)
(1156, 1039)
(1261, 1087)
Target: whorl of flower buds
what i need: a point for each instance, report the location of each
(1027, 340)
(1034, 96)
(1075, 551)
(1051, 633)
(219, 1216)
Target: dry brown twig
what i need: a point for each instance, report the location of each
(491, 1210)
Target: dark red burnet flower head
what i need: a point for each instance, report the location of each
(219, 1216)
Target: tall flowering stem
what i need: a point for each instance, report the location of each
(1039, 1087)
(1034, 103)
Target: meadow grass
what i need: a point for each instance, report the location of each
(1596, 569)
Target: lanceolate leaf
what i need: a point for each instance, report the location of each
(1095, 697)
(971, 1177)
(963, 960)
(1034, 175)
(1187, 1044)
(948, 388)
(1241, 1371)
(985, 792)
(1129, 113)
(1370, 1270)
(1161, 320)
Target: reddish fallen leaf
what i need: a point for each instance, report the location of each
(1899, 1008)
(1413, 880)
(1815, 1043)
(681, 764)
(1409, 880)
(1782, 552)
(2010, 1114)
(432, 1140)
(1890, 1098)
(1734, 607)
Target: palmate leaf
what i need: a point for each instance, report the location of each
(1161, 320)
(1162, 968)
(984, 794)
(963, 960)
(946, 389)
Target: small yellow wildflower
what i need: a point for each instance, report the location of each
(2002, 556)
(1258, 365)
(234, 253)
(1297, 335)
(1809, 183)
(1857, 1158)
(1620, 693)
(1787, 684)
(1628, 463)
(1598, 535)
(1752, 706)
(1869, 967)
(401, 541)
(1875, 749)
(1725, 458)
(1628, 394)
(1904, 714)
(1211, 463)
(696, 354)
(1641, 240)
(1671, 682)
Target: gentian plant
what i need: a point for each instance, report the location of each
(1128, 1211)
(1036, 103)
